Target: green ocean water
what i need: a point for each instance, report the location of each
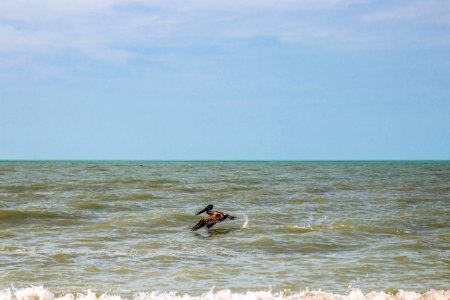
(123, 227)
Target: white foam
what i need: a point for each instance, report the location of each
(40, 293)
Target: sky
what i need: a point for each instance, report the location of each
(225, 80)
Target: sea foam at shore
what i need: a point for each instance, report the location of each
(40, 293)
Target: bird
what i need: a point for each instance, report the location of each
(213, 218)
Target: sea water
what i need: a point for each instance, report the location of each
(303, 230)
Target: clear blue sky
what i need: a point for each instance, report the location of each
(197, 79)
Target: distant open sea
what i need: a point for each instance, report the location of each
(111, 230)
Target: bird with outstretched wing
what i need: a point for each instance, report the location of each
(213, 218)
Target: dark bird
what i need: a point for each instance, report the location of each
(213, 218)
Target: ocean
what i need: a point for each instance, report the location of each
(303, 230)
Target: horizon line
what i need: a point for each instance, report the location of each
(225, 160)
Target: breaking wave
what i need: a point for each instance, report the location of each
(40, 293)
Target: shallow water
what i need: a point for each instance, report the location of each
(124, 227)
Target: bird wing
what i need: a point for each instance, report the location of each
(199, 225)
(211, 223)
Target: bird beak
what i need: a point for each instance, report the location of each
(203, 210)
(207, 208)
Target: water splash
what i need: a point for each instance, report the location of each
(245, 225)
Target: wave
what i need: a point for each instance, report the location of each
(23, 188)
(40, 293)
(9, 215)
(171, 219)
(161, 182)
(239, 181)
(111, 196)
(88, 205)
(344, 228)
(264, 241)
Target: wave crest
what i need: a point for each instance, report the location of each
(40, 293)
